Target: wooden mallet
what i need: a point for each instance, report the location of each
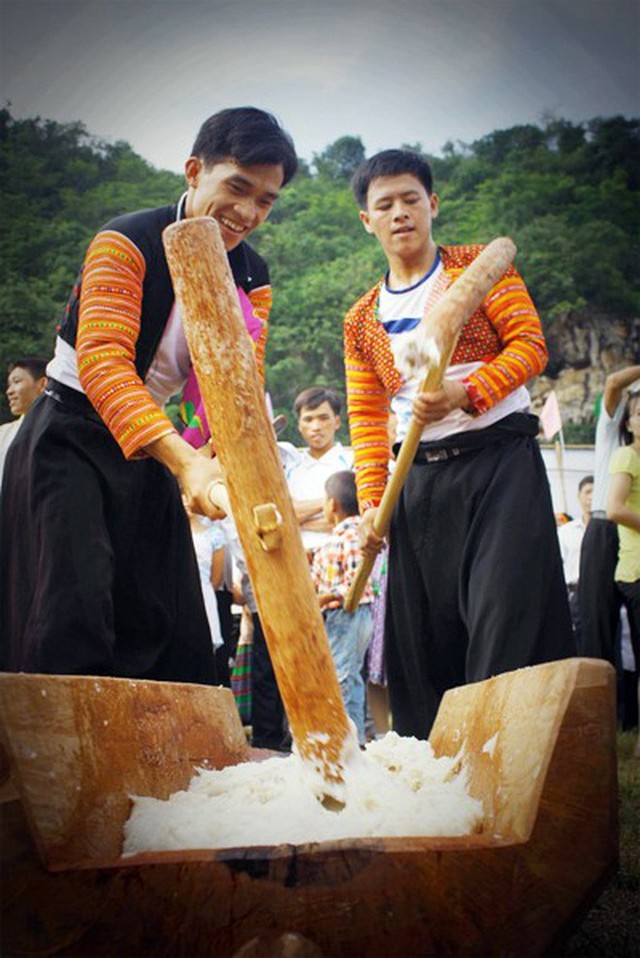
(223, 357)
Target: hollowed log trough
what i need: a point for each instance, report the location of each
(539, 748)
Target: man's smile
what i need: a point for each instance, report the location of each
(231, 225)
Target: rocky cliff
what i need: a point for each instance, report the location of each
(584, 347)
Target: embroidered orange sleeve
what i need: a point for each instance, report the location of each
(108, 329)
(512, 314)
(368, 400)
(505, 334)
(261, 300)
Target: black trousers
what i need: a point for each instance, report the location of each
(268, 719)
(97, 569)
(598, 596)
(227, 650)
(475, 585)
(630, 592)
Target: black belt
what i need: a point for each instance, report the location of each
(71, 399)
(440, 454)
(513, 426)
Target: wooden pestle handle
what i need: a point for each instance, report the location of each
(444, 324)
(223, 357)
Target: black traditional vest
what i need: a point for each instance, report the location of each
(144, 229)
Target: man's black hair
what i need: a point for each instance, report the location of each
(585, 481)
(247, 135)
(341, 486)
(36, 366)
(314, 396)
(390, 163)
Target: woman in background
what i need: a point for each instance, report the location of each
(623, 508)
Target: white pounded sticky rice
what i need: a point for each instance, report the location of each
(396, 787)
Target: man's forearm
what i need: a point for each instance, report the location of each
(172, 451)
(306, 509)
(318, 524)
(197, 476)
(615, 384)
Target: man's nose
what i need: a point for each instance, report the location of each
(248, 209)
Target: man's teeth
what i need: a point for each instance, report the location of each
(231, 226)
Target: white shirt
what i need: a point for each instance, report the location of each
(400, 312)
(607, 441)
(8, 433)
(570, 536)
(306, 477)
(204, 549)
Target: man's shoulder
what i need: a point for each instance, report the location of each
(364, 304)
(290, 455)
(142, 224)
(459, 257)
(337, 458)
(144, 229)
(339, 455)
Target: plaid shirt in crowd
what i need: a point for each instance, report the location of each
(335, 563)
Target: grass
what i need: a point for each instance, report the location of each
(611, 929)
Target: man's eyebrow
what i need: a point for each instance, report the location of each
(389, 196)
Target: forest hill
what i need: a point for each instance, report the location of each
(565, 192)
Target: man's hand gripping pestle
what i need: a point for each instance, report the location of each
(223, 357)
(431, 347)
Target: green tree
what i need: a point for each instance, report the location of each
(567, 193)
(58, 185)
(341, 159)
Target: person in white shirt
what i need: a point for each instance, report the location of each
(306, 470)
(570, 536)
(598, 596)
(25, 382)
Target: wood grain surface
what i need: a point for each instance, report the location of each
(223, 358)
(539, 747)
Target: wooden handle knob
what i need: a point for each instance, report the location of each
(268, 521)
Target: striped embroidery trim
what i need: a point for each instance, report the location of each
(108, 329)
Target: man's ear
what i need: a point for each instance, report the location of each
(192, 170)
(366, 220)
(434, 201)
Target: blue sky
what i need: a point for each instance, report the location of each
(389, 71)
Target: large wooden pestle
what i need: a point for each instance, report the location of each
(223, 358)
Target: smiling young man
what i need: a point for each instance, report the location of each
(101, 577)
(475, 578)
